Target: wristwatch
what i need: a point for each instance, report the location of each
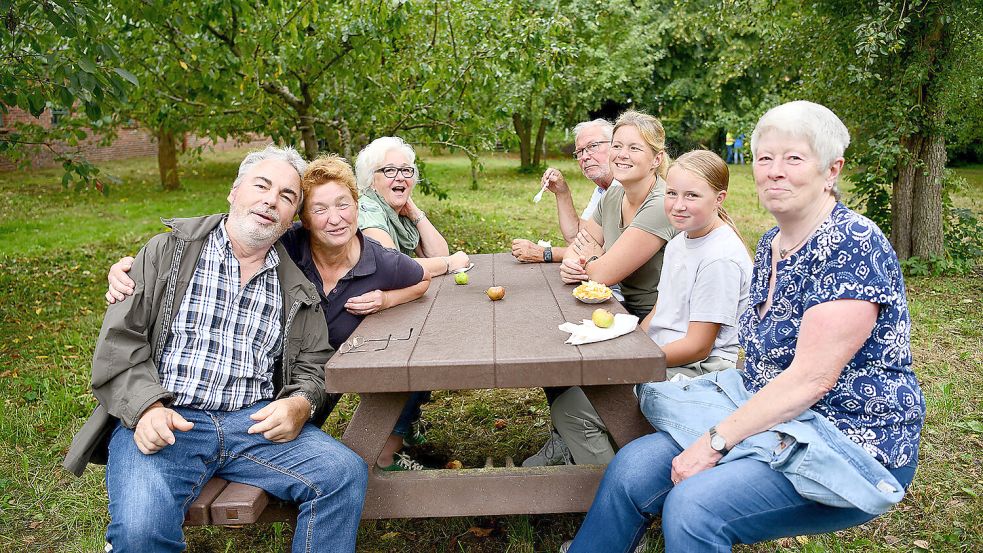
(717, 442)
(547, 255)
(307, 396)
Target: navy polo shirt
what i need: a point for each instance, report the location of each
(378, 268)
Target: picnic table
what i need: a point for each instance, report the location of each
(456, 338)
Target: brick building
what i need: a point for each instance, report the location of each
(131, 141)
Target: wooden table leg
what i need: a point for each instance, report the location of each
(373, 422)
(618, 408)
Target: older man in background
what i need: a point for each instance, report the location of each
(591, 140)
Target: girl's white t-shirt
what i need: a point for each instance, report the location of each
(704, 279)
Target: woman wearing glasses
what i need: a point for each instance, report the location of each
(386, 175)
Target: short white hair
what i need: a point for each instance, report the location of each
(285, 153)
(607, 128)
(816, 124)
(371, 156)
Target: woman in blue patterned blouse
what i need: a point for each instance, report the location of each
(827, 331)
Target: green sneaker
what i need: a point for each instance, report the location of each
(417, 435)
(401, 462)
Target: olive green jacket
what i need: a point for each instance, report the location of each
(124, 365)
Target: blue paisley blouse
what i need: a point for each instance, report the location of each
(877, 401)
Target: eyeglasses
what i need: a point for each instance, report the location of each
(390, 172)
(353, 344)
(588, 149)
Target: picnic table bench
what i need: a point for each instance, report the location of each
(455, 338)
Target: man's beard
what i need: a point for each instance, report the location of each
(253, 233)
(598, 172)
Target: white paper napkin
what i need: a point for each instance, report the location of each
(544, 244)
(588, 332)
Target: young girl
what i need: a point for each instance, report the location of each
(707, 271)
(706, 275)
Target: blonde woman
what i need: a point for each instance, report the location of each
(623, 241)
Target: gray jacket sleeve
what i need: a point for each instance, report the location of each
(309, 350)
(124, 375)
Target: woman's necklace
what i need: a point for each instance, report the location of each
(784, 252)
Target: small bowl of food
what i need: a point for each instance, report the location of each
(592, 292)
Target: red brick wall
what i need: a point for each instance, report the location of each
(130, 142)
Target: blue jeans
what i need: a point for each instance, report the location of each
(743, 501)
(149, 494)
(411, 413)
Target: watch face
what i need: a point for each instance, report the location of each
(717, 442)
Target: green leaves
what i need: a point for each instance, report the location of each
(127, 75)
(55, 55)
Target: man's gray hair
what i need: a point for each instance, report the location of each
(285, 153)
(607, 128)
(371, 156)
(816, 124)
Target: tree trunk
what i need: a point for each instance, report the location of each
(345, 135)
(308, 134)
(523, 130)
(903, 196)
(167, 159)
(474, 169)
(540, 142)
(916, 205)
(926, 228)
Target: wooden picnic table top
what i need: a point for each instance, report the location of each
(462, 340)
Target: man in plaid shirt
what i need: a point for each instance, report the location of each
(213, 367)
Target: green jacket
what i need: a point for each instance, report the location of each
(124, 365)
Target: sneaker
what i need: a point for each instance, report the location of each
(553, 452)
(640, 549)
(401, 462)
(417, 435)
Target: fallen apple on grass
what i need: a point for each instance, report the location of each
(496, 293)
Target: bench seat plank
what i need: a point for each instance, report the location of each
(481, 492)
(239, 504)
(199, 514)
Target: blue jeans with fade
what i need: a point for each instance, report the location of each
(743, 501)
(149, 494)
(411, 413)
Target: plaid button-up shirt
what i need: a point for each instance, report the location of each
(225, 337)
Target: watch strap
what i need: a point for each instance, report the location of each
(310, 400)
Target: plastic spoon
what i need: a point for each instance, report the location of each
(539, 196)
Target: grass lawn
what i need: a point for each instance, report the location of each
(56, 245)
